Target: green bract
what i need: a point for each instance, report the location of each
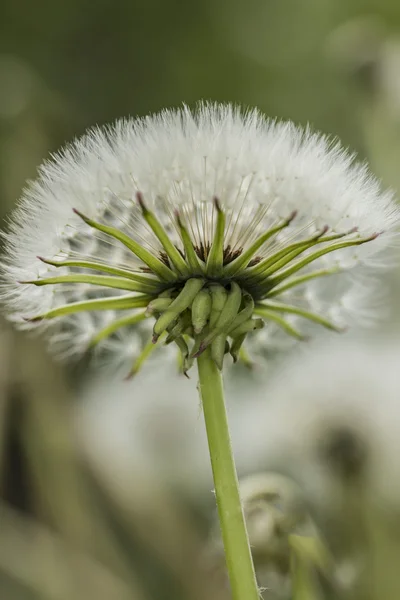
(202, 297)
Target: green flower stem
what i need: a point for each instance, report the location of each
(237, 549)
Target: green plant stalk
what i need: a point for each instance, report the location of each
(237, 548)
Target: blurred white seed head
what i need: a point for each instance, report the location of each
(153, 426)
(263, 172)
(332, 424)
(274, 510)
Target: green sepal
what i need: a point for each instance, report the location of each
(292, 255)
(231, 307)
(270, 315)
(166, 293)
(119, 283)
(218, 299)
(160, 233)
(143, 356)
(181, 303)
(158, 305)
(115, 325)
(184, 351)
(236, 346)
(294, 310)
(302, 279)
(175, 330)
(201, 310)
(187, 362)
(115, 303)
(153, 263)
(218, 347)
(288, 253)
(183, 347)
(196, 265)
(245, 313)
(247, 327)
(314, 256)
(197, 342)
(243, 260)
(226, 317)
(215, 259)
(245, 358)
(98, 266)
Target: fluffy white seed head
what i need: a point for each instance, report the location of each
(260, 170)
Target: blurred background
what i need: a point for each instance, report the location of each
(96, 498)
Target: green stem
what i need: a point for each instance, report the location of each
(237, 549)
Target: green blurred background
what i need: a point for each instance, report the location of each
(69, 64)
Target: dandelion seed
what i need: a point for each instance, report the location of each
(214, 223)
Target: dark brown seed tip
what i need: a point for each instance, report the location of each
(201, 349)
(130, 375)
(140, 199)
(319, 234)
(178, 217)
(81, 215)
(292, 216)
(217, 204)
(154, 339)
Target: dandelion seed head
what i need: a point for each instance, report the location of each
(266, 176)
